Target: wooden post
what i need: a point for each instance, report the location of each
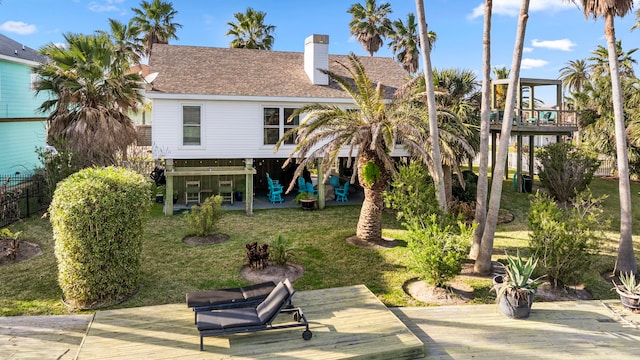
(248, 191)
(168, 197)
(321, 189)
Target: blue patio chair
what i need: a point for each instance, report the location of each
(272, 180)
(342, 192)
(311, 189)
(334, 181)
(273, 184)
(275, 194)
(302, 185)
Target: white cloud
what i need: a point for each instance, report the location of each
(562, 44)
(512, 7)
(18, 27)
(107, 6)
(527, 49)
(532, 63)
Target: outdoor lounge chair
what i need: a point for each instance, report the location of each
(253, 319)
(216, 299)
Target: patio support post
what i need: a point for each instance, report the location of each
(321, 189)
(519, 163)
(248, 191)
(168, 197)
(531, 158)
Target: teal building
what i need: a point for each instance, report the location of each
(22, 127)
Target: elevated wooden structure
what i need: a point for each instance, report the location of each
(531, 118)
(347, 322)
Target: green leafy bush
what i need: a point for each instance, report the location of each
(467, 193)
(97, 216)
(438, 251)
(204, 219)
(281, 250)
(565, 239)
(565, 170)
(56, 166)
(412, 195)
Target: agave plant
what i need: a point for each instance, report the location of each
(518, 280)
(629, 284)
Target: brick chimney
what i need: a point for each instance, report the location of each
(316, 56)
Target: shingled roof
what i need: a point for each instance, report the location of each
(13, 49)
(247, 72)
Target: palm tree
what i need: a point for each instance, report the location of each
(370, 134)
(456, 96)
(250, 32)
(370, 24)
(575, 75)
(125, 37)
(155, 21)
(600, 60)
(91, 97)
(485, 107)
(437, 173)
(483, 261)
(625, 261)
(405, 43)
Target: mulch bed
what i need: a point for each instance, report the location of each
(195, 240)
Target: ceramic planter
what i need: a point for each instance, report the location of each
(631, 302)
(510, 306)
(308, 204)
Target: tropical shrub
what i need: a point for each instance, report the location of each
(281, 250)
(565, 170)
(10, 242)
(203, 218)
(412, 195)
(57, 165)
(566, 239)
(97, 216)
(439, 251)
(467, 193)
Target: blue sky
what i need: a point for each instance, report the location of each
(556, 33)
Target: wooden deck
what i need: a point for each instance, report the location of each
(346, 322)
(555, 330)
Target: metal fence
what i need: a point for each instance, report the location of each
(21, 195)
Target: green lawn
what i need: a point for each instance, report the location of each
(171, 268)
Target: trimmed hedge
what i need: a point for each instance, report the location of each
(97, 216)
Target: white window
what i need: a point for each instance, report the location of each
(192, 125)
(276, 124)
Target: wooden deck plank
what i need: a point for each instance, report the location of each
(346, 322)
(42, 337)
(555, 330)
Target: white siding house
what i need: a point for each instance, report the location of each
(220, 111)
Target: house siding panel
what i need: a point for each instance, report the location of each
(18, 143)
(17, 99)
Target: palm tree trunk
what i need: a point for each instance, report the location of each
(431, 104)
(625, 261)
(369, 226)
(483, 170)
(483, 261)
(448, 182)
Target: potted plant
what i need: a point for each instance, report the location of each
(307, 200)
(516, 289)
(629, 291)
(160, 191)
